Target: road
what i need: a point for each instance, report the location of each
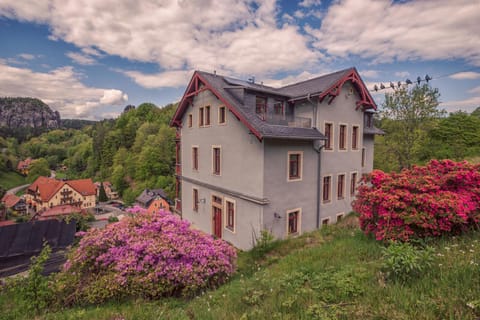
(16, 189)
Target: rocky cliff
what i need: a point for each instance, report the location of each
(32, 113)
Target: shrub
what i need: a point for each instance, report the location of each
(441, 198)
(148, 255)
(402, 261)
(112, 219)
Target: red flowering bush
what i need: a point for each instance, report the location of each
(440, 198)
(146, 255)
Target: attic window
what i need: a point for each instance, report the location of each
(368, 119)
(278, 107)
(261, 107)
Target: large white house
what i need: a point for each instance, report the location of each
(286, 160)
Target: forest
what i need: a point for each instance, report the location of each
(137, 150)
(134, 151)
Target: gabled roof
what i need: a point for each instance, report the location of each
(150, 194)
(321, 87)
(48, 187)
(10, 200)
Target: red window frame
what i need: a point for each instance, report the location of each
(355, 137)
(261, 107)
(230, 215)
(342, 141)
(195, 158)
(341, 186)
(216, 161)
(195, 200)
(328, 134)
(294, 165)
(353, 183)
(293, 220)
(326, 188)
(222, 115)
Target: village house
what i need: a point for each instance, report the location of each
(153, 200)
(286, 160)
(46, 193)
(12, 202)
(23, 166)
(109, 190)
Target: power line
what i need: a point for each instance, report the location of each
(398, 84)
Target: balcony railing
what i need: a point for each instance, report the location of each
(288, 121)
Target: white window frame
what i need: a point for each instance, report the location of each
(364, 157)
(299, 222)
(213, 162)
(190, 118)
(332, 141)
(193, 200)
(325, 219)
(346, 136)
(341, 215)
(222, 123)
(198, 158)
(300, 164)
(330, 200)
(356, 184)
(209, 116)
(225, 225)
(344, 185)
(358, 138)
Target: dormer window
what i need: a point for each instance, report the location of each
(261, 107)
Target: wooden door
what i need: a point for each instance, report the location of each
(217, 203)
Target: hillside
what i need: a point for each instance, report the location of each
(334, 273)
(24, 117)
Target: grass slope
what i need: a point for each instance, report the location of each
(11, 179)
(334, 273)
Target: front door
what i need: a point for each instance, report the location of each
(217, 216)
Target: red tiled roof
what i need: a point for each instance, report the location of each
(6, 223)
(59, 211)
(10, 200)
(24, 163)
(83, 186)
(48, 187)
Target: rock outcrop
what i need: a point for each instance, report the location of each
(16, 113)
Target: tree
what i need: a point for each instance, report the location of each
(38, 168)
(476, 112)
(407, 116)
(102, 195)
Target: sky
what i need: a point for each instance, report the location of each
(88, 59)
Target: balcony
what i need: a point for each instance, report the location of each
(287, 120)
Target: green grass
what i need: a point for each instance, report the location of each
(335, 273)
(11, 179)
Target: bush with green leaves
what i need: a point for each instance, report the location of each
(403, 261)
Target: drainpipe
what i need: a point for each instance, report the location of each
(318, 149)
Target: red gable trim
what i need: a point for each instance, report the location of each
(194, 84)
(366, 99)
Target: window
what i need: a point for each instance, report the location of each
(190, 120)
(230, 212)
(294, 166)
(200, 117)
(293, 222)
(329, 135)
(261, 107)
(207, 115)
(368, 120)
(326, 188)
(278, 108)
(195, 200)
(195, 158)
(341, 186)
(325, 221)
(364, 156)
(340, 217)
(353, 183)
(222, 116)
(342, 141)
(355, 137)
(216, 160)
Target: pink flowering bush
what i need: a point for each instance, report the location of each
(147, 255)
(440, 198)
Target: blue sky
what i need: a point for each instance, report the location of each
(89, 58)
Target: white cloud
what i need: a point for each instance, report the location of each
(475, 90)
(402, 74)
(370, 73)
(467, 105)
(173, 79)
(305, 75)
(386, 31)
(465, 75)
(92, 52)
(26, 56)
(60, 88)
(309, 3)
(239, 36)
(81, 58)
